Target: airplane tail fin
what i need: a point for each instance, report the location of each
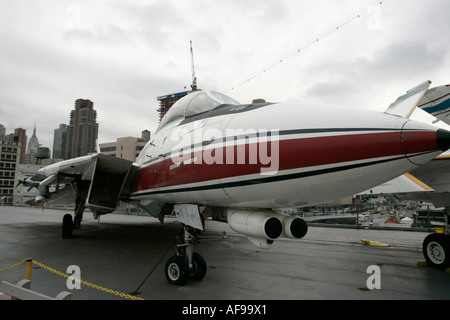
(437, 103)
(405, 104)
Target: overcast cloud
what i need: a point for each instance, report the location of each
(123, 54)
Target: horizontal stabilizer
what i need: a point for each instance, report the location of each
(405, 105)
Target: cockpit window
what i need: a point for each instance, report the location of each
(195, 103)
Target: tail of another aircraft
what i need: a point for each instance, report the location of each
(437, 103)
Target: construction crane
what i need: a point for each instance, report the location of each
(194, 78)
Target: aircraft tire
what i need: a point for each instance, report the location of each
(67, 226)
(198, 270)
(436, 250)
(177, 271)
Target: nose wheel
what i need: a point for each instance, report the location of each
(185, 264)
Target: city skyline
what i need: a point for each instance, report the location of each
(87, 144)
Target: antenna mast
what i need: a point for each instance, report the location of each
(194, 78)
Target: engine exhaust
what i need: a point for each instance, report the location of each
(263, 224)
(294, 227)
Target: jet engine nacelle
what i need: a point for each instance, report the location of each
(293, 227)
(264, 226)
(258, 224)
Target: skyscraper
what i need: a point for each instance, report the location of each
(59, 141)
(33, 144)
(21, 135)
(82, 132)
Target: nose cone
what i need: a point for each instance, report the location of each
(443, 139)
(422, 142)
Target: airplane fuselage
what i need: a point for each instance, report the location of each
(279, 155)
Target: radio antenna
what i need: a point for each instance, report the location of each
(194, 78)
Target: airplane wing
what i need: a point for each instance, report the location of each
(81, 166)
(102, 177)
(429, 182)
(65, 196)
(437, 103)
(405, 104)
(406, 183)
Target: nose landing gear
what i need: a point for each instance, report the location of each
(185, 264)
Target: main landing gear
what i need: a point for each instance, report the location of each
(185, 264)
(436, 246)
(69, 224)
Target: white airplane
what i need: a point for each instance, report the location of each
(214, 156)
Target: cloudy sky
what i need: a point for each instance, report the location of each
(122, 54)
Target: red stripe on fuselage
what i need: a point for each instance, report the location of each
(293, 154)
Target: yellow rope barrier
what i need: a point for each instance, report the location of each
(13, 266)
(28, 277)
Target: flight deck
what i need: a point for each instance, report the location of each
(123, 256)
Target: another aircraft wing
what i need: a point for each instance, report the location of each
(406, 183)
(405, 105)
(429, 182)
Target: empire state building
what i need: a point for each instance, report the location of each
(33, 144)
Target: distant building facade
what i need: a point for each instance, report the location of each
(19, 135)
(167, 101)
(82, 131)
(2, 131)
(127, 147)
(9, 162)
